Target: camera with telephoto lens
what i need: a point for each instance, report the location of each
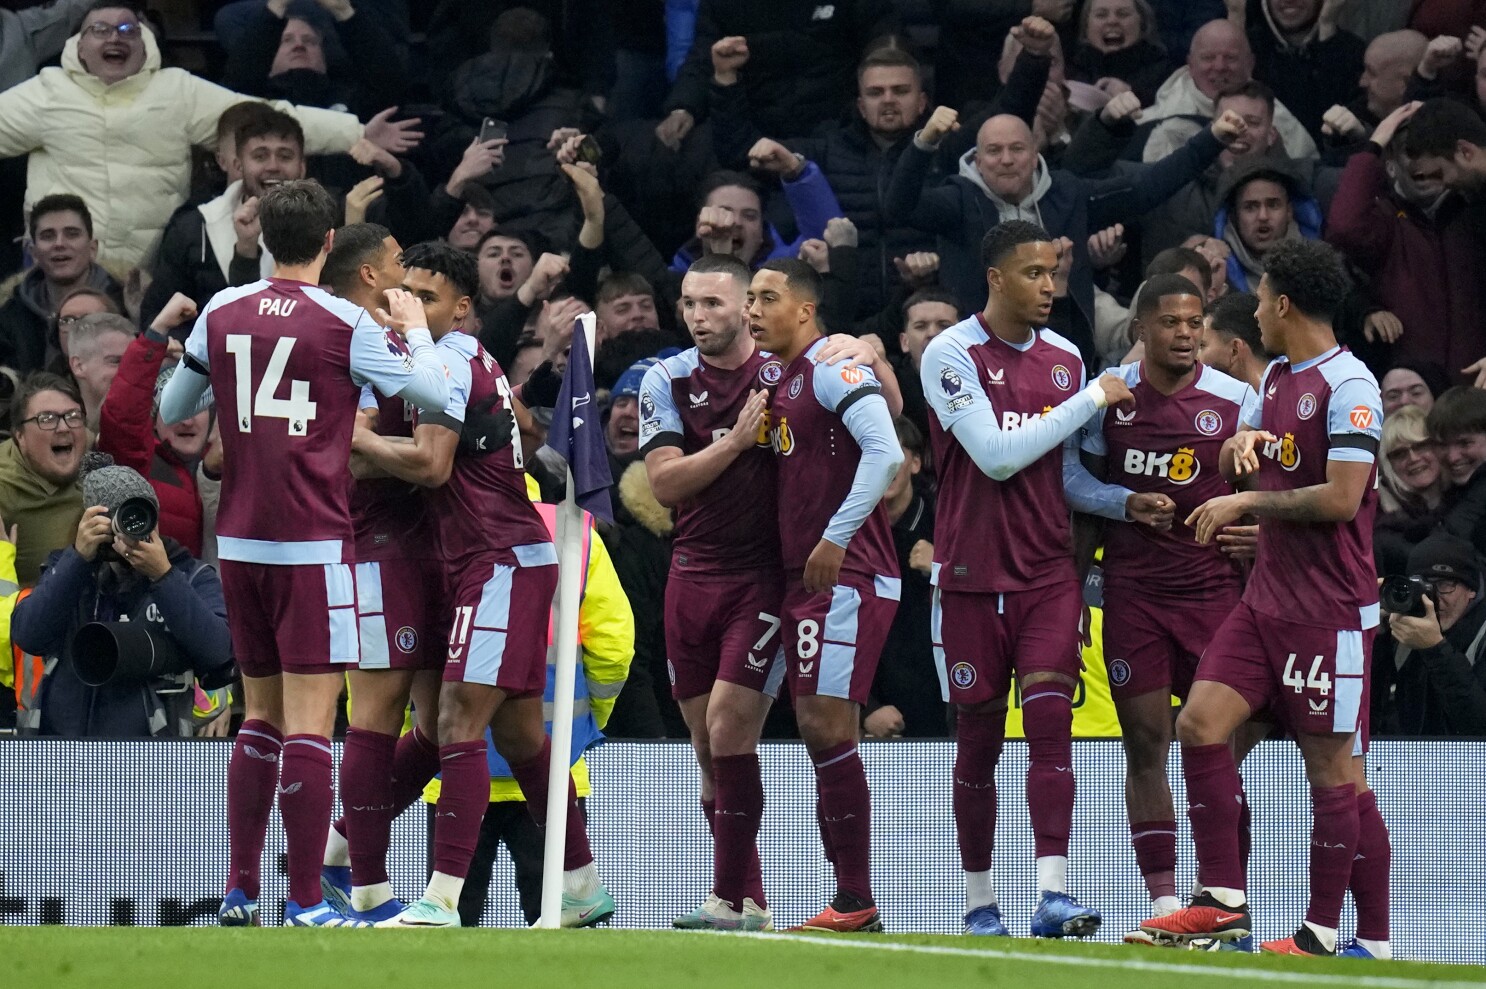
(1402, 595)
(123, 652)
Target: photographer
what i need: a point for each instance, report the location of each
(1438, 687)
(162, 614)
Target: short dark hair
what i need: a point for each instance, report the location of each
(236, 115)
(524, 237)
(933, 294)
(1438, 124)
(1310, 273)
(265, 121)
(135, 7)
(442, 258)
(889, 57)
(34, 384)
(1253, 89)
(1158, 287)
(723, 179)
(1458, 411)
(1233, 316)
(62, 202)
(1004, 238)
(1175, 260)
(622, 283)
(355, 244)
(295, 217)
(801, 279)
(722, 264)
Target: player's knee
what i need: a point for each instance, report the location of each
(820, 730)
(1195, 727)
(701, 743)
(457, 721)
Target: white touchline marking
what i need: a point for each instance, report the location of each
(1132, 965)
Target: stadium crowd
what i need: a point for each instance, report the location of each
(586, 154)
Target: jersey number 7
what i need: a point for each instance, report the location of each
(297, 409)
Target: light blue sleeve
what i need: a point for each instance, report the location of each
(458, 382)
(186, 393)
(835, 383)
(1248, 406)
(658, 413)
(1354, 420)
(368, 399)
(417, 377)
(871, 425)
(1091, 438)
(1085, 492)
(1251, 412)
(954, 393)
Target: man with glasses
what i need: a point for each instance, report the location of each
(1438, 687)
(39, 495)
(110, 124)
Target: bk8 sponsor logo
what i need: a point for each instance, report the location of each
(1180, 467)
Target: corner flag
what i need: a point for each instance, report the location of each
(577, 434)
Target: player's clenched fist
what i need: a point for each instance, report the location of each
(1115, 389)
(404, 312)
(823, 567)
(1229, 127)
(1151, 508)
(944, 120)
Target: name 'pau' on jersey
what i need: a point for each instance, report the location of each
(1170, 445)
(482, 510)
(817, 462)
(1317, 573)
(286, 362)
(998, 536)
(690, 404)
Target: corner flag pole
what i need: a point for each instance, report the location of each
(569, 586)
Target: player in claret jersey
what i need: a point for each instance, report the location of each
(403, 621)
(1007, 400)
(700, 418)
(286, 363)
(1164, 594)
(1299, 642)
(837, 453)
(502, 571)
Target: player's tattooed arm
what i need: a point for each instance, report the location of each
(1337, 500)
(425, 460)
(675, 478)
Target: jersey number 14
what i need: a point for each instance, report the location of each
(297, 410)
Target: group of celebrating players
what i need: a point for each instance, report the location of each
(775, 445)
(1034, 475)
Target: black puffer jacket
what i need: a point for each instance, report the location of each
(520, 88)
(1143, 67)
(859, 170)
(802, 60)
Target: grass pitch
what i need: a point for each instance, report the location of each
(162, 958)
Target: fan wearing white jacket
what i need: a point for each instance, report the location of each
(113, 127)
